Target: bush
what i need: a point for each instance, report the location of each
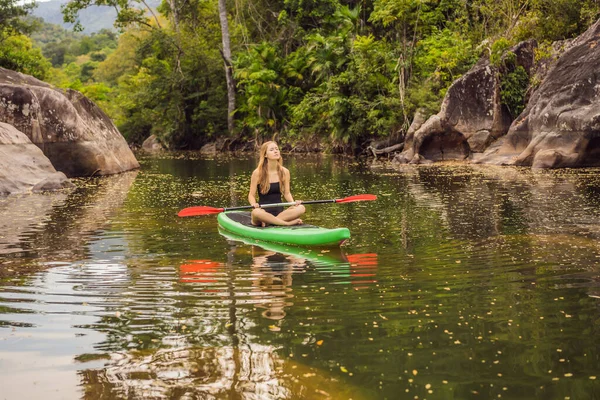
(17, 53)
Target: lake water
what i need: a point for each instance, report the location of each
(459, 282)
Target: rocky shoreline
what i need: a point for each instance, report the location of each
(48, 135)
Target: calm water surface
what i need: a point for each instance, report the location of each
(459, 282)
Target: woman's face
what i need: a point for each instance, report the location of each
(273, 152)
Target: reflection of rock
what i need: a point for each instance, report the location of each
(77, 137)
(24, 167)
(249, 371)
(85, 212)
(480, 201)
(57, 226)
(23, 215)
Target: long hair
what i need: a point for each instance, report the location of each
(263, 173)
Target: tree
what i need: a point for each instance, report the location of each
(16, 50)
(11, 18)
(228, 65)
(18, 53)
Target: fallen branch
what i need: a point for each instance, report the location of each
(386, 150)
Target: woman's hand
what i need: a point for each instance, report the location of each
(298, 202)
(256, 205)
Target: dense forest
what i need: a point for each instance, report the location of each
(335, 72)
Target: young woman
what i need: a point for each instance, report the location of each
(270, 180)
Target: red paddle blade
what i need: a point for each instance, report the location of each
(358, 197)
(199, 210)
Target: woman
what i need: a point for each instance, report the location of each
(271, 179)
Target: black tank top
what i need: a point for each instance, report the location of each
(271, 197)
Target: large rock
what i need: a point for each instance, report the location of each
(23, 166)
(77, 137)
(152, 145)
(471, 116)
(561, 125)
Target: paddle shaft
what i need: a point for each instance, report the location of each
(279, 204)
(206, 210)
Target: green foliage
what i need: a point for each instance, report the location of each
(128, 12)
(440, 59)
(543, 51)
(513, 89)
(345, 72)
(18, 53)
(63, 47)
(46, 33)
(444, 56)
(16, 49)
(562, 19)
(499, 48)
(12, 21)
(358, 101)
(262, 75)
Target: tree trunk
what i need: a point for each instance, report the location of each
(226, 53)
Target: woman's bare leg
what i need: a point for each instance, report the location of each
(259, 215)
(292, 213)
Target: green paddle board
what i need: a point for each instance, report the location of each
(240, 224)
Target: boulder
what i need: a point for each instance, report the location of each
(23, 166)
(560, 127)
(76, 135)
(152, 145)
(209, 149)
(471, 117)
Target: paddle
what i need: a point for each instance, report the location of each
(206, 210)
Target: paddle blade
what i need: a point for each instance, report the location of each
(199, 210)
(358, 197)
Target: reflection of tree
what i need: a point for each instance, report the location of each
(210, 373)
(201, 338)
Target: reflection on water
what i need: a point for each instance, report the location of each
(459, 282)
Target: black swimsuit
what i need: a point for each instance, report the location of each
(271, 197)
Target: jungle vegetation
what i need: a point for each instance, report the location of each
(341, 72)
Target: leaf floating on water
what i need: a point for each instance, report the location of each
(274, 328)
(415, 372)
(344, 370)
(320, 342)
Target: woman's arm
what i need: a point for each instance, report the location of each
(287, 194)
(252, 191)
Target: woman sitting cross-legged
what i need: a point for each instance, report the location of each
(271, 179)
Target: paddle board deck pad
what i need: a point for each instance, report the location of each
(240, 224)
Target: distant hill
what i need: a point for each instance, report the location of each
(92, 19)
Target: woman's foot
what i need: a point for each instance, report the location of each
(296, 221)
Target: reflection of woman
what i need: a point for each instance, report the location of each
(271, 179)
(273, 272)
